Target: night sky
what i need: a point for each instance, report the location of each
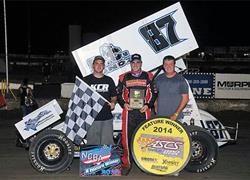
(44, 25)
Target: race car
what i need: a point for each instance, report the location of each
(164, 32)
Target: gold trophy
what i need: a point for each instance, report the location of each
(136, 98)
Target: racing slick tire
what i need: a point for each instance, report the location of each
(51, 152)
(204, 150)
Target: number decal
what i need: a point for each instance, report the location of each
(212, 126)
(160, 34)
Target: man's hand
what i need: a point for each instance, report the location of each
(174, 116)
(112, 106)
(144, 108)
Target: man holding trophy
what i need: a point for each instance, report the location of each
(136, 95)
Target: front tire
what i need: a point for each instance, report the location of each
(51, 152)
(204, 150)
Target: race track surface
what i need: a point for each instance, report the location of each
(233, 162)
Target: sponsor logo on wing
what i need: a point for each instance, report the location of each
(32, 123)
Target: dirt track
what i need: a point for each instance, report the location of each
(233, 159)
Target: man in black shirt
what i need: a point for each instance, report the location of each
(101, 131)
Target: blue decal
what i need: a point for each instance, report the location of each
(33, 123)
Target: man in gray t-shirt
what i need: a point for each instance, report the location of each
(172, 91)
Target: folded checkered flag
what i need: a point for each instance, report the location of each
(84, 106)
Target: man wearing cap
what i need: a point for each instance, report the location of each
(101, 131)
(135, 94)
(172, 91)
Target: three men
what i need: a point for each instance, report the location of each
(136, 94)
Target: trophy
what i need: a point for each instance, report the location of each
(136, 98)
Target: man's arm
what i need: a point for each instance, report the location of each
(120, 92)
(113, 102)
(182, 105)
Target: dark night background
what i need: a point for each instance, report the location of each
(44, 25)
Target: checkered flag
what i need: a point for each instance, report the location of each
(84, 106)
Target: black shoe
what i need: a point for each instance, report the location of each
(125, 171)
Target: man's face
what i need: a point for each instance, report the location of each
(169, 66)
(136, 65)
(98, 66)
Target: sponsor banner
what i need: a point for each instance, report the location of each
(232, 86)
(39, 119)
(100, 160)
(161, 146)
(165, 32)
(202, 84)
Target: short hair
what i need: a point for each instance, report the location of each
(168, 58)
(99, 58)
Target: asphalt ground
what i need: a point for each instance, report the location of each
(233, 161)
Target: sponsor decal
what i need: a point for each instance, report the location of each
(95, 156)
(233, 85)
(136, 82)
(170, 163)
(115, 57)
(32, 123)
(102, 166)
(215, 128)
(167, 146)
(202, 84)
(100, 87)
(148, 159)
(161, 146)
(100, 161)
(159, 168)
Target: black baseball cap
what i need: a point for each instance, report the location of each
(99, 58)
(136, 57)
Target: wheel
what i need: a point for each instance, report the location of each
(204, 150)
(51, 152)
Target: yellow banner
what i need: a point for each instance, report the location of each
(161, 146)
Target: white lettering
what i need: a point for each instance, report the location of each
(100, 87)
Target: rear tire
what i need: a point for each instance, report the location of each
(51, 152)
(204, 150)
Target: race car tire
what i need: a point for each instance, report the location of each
(204, 150)
(51, 152)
